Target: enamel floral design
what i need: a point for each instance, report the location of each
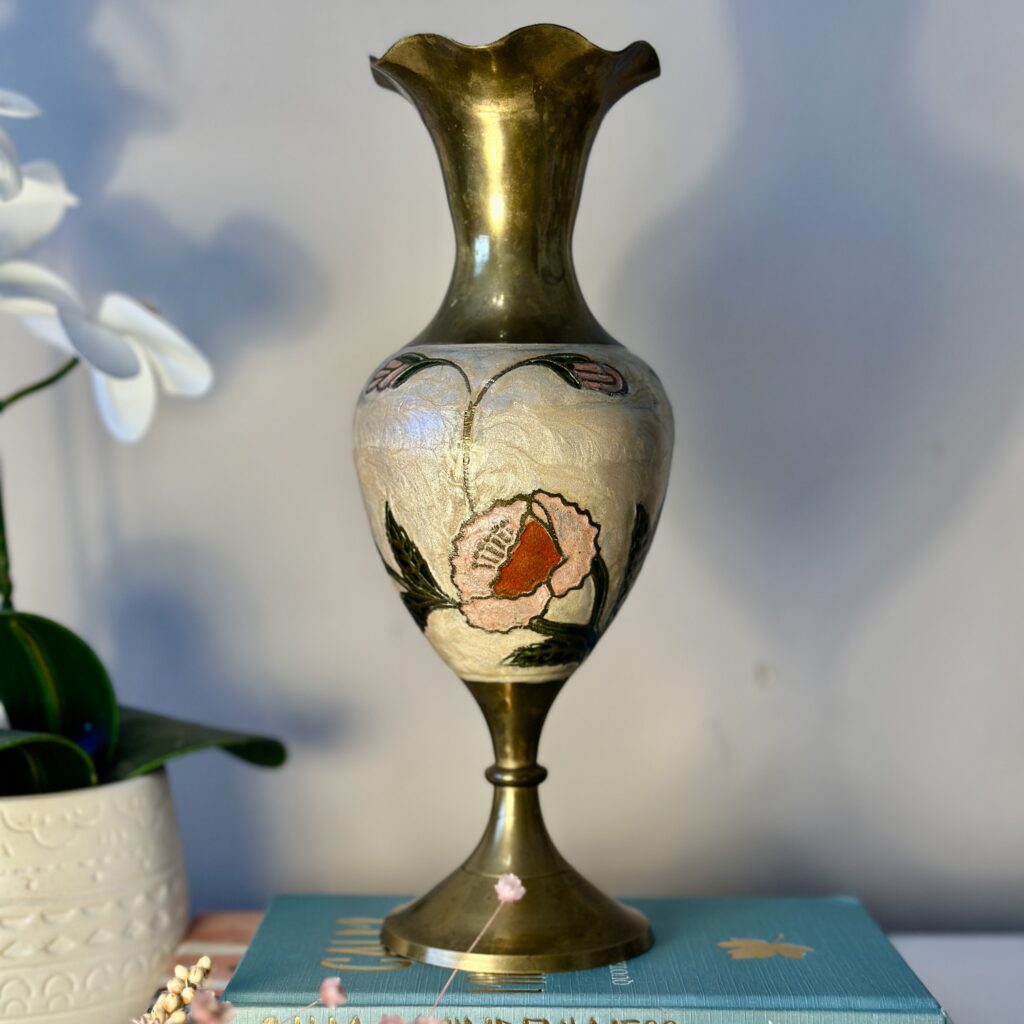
(511, 560)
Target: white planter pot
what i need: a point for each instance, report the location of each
(93, 901)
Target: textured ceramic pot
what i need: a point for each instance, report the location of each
(514, 457)
(93, 901)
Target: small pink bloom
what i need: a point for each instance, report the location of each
(390, 1018)
(509, 889)
(600, 377)
(206, 1008)
(511, 560)
(332, 993)
(385, 375)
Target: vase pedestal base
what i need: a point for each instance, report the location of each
(563, 923)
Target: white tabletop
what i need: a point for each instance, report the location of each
(978, 979)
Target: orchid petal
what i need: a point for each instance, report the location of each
(14, 104)
(37, 210)
(10, 169)
(103, 349)
(28, 289)
(48, 328)
(180, 367)
(126, 406)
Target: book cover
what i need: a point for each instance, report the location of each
(714, 961)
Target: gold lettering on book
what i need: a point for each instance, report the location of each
(355, 946)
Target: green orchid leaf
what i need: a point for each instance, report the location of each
(148, 741)
(32, 762)
(51, 681)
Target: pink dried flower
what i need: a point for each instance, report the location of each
(332, 993)
(206, 1008)
(390, 1018)
(510, 889)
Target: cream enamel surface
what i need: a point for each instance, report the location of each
(530, 431)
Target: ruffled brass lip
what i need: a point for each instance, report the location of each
(547, 43)
(537, 37)
(513, 122)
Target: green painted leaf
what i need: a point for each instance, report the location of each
(570, 365)
(149, 741)
(51, 681)
(421, 595)
(420, 606)
(32, 762)
(559, 367)
(417, 361)
(566, 644)
(599, 574)
(639, 544)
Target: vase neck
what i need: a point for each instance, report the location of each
(513, 123)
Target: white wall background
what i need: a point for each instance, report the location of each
(813, 227)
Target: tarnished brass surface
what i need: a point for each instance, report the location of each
(563, 923)
(513, 122)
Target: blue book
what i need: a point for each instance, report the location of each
(714, 961)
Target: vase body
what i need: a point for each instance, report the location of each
(93, 901)
(513, 457)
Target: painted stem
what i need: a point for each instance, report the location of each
(31, 389)
(472, 946)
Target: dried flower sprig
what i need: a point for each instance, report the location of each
(508, 889)
(332, 994)
(183, 998)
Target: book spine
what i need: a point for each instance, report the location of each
(519, 1015)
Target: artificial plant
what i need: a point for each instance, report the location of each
(61, 726)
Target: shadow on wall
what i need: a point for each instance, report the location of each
(161, 605)
(837, 310)
(247, 284)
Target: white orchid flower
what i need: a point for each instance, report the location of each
(12, 104)
(36, 211)
(130, 350)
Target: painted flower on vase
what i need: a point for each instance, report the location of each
(510, 561)
(386, 376)
(601, 377)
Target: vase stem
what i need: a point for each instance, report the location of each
(563, 922)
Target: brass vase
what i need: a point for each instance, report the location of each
(513, 459)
